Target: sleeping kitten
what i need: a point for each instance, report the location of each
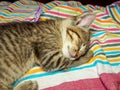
(52, 44)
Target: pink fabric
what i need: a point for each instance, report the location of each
(111, 81)
(88, 84)
(106, 81)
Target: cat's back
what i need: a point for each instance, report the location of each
(16, 36)
(22, 27)
(14, 28)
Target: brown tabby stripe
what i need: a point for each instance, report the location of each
(8, 36)
(46, 60)
(4, 72)
(8, 50)
(3, 47)
(69, 34)
(7, 63)
(1, 74)
(61, 64)
(14, 33)
(52, 59)
(57, 61)
(76, 33)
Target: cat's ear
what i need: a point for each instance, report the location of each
(85, 20)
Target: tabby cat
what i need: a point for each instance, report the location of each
(53, 44)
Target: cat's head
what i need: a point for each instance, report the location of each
(76, 36)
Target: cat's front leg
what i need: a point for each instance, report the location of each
(82, 59)
(27, 85)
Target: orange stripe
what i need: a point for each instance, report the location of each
(115, 60)
(111, 49)
(75, 9)
(104, 21)
(34, 71)
(95, 48)
(103, 36)
(2, 17)
(101, 57)
(6, 11)
(42, 19)
(15, 6)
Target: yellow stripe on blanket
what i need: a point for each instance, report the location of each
(114, 60)
(100, 57)
(111, 48)
(36, 70)
(95, 48)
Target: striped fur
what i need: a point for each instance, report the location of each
(24, 44)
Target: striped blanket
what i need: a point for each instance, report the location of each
(102, 72)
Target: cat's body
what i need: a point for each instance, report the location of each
(49, 44)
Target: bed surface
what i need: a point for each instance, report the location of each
(102, 72)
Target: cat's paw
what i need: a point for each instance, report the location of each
(28, 85)
(62, 65)
(82, 60)
(89, 54)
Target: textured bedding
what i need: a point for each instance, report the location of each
(102, 72)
